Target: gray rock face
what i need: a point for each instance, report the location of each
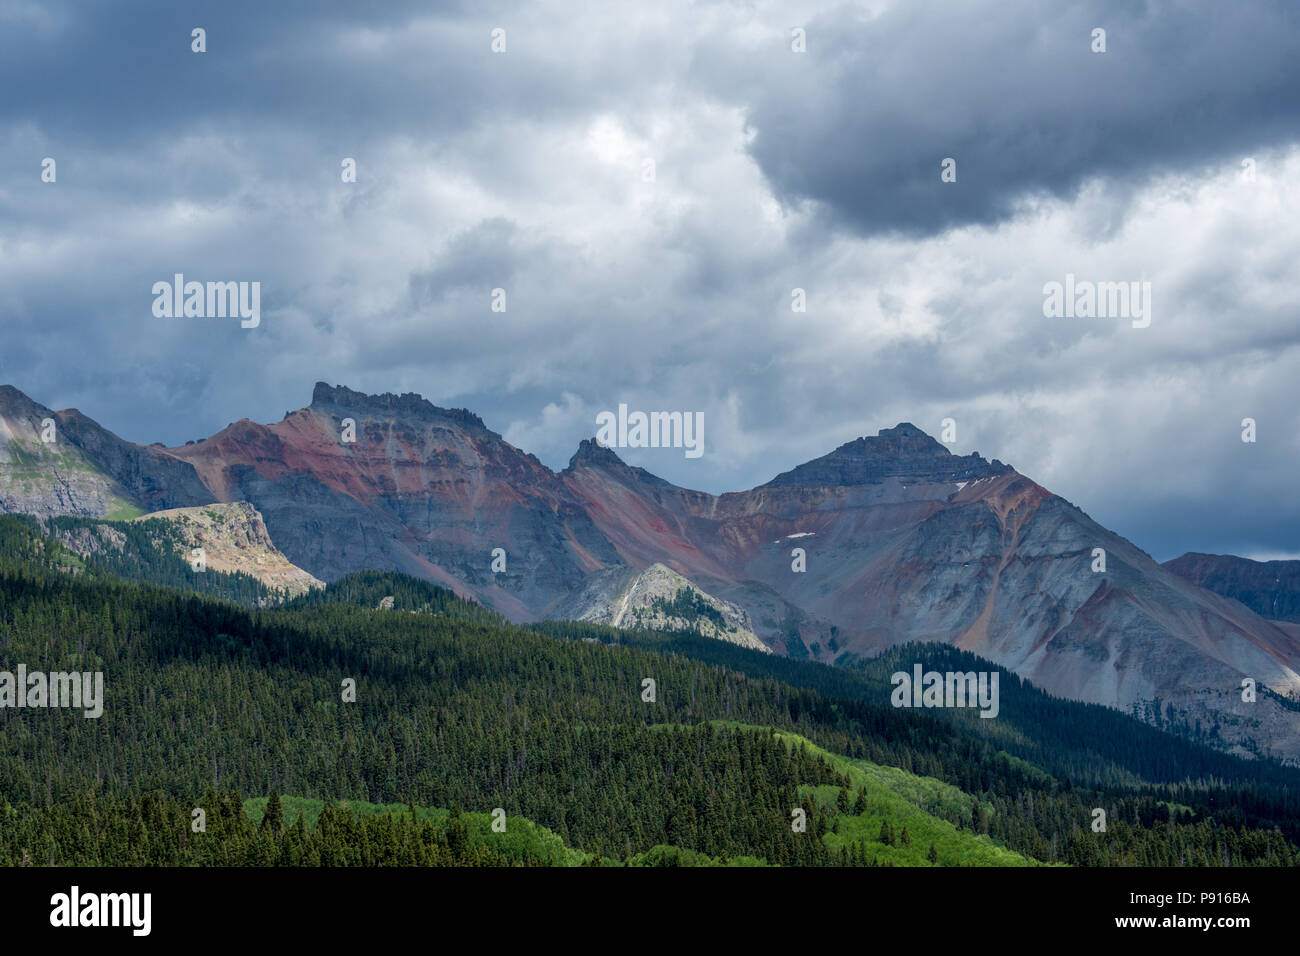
(1269, 588)
(85, 470)
(89, 541)
(422, 490)
(151, 478)
(321, 530)
(345, 403)
(653, 599)
(1011, 578)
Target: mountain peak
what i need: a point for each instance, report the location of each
(592, 452)
(408, 405)
(14, 401)
(903, 440)
(904, 430)
(903, 451)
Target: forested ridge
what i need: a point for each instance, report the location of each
(1080, 744)
(149, 551)
(208, 702)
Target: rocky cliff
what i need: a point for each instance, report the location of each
(412, 487)
(657, 599)
(62, 463)
(234, 539)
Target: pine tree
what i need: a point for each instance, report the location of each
(273, 819)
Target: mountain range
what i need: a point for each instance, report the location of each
(886, 540)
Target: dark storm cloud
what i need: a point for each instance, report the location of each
(124, 73)
(1012, 91)
(774, 171)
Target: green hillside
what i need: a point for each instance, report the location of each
(878, 800)
(886, 816)
(332, 700)
(522, 841)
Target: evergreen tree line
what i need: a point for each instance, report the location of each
(455, 707)
(157, 830)
(1079, 745)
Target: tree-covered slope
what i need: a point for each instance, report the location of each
(332, 699)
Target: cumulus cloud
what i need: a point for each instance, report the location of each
(1015, 94)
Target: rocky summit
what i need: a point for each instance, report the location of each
(900, 452)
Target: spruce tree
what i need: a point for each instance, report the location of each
(273, 819)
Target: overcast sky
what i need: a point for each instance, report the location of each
(773, 170)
